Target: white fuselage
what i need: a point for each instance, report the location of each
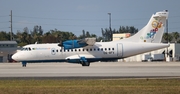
(99, 51)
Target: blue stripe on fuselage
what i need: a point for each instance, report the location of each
(75, 60)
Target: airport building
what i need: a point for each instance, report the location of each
(158, 55)
(7, 49)
(121, 36)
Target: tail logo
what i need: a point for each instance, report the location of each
(155, 26)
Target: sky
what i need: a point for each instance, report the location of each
(89, 15)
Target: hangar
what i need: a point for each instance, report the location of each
(7, 49)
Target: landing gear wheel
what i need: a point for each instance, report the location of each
(88, 63)
(85, 63)
(24, 64)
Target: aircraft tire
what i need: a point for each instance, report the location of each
(88, 64)
(24, 64)
(85, 64)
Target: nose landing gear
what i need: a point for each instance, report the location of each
(24, 64)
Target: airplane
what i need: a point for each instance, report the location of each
(88, 50)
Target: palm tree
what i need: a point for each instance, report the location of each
(167, 37)
(176, 36)
(170, 37)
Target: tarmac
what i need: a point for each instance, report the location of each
(97, 70)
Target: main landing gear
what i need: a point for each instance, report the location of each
(84, 62)
(24, 64)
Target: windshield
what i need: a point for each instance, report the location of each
(26, 49)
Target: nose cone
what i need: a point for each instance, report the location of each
(15, 57)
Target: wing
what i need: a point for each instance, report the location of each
(90, 41)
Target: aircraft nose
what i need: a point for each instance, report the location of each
(15, 57)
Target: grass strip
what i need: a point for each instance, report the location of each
(125, 86)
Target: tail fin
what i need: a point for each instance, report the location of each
(153, 31)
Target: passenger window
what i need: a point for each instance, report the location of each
(29, 49)
(105, 49)
(68, 50)
(71, 50)
(75, 50)
(83, 49)
(112, 48)
(101, 49)
(60, 50)
(109, 48)
(90, 49)
(94, 49)
(56, 50)
(79, 49)
(86, 49)
(98, 49)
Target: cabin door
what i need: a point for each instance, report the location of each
(119, 50)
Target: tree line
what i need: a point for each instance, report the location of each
(107, 32)
(173, 37)
(54, 36)
(38, 35)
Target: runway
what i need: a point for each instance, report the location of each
(95, 70)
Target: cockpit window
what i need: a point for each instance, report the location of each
(26, 49)
(22, 49)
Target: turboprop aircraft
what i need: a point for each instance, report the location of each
(88, 50)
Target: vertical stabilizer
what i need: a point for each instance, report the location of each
(153, 31)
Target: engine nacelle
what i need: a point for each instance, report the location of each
(71, 44)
